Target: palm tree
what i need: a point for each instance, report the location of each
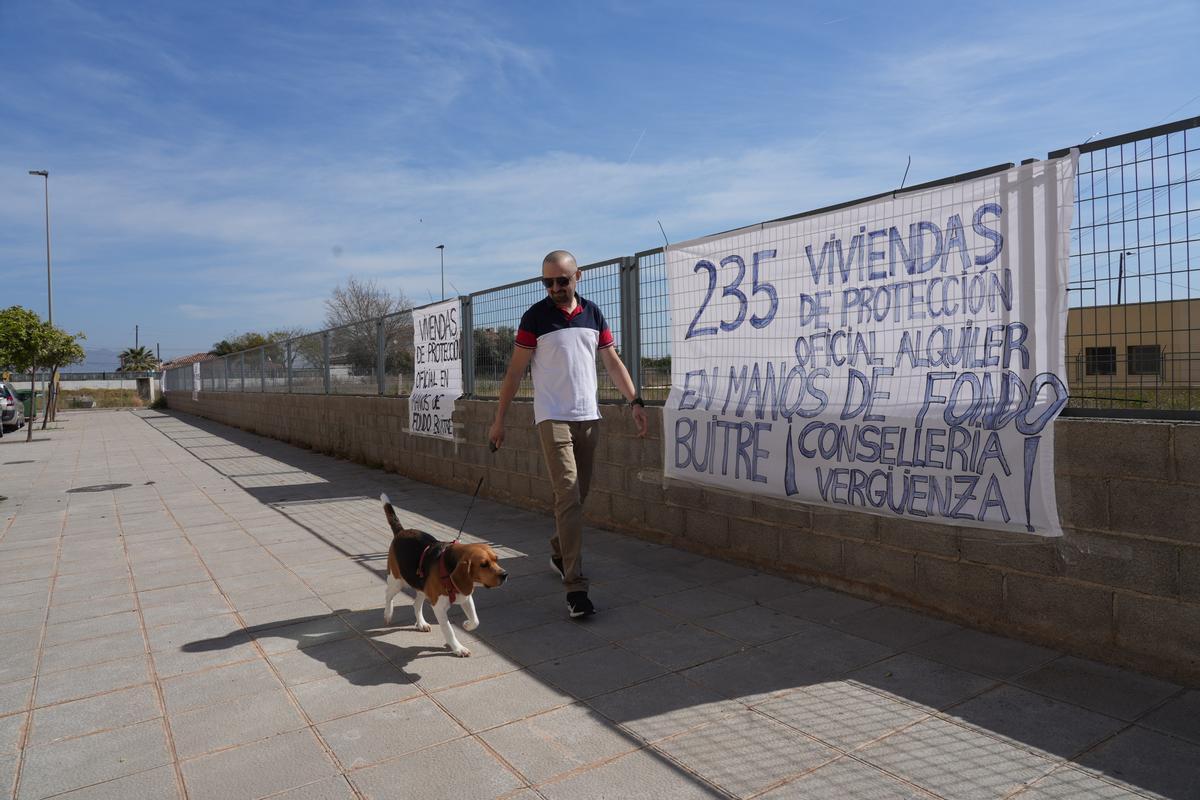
(137, 359)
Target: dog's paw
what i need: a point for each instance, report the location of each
(387, 619)
(468, 625)
(462, 652)
(423, 627)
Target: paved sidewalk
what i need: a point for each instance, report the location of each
(187, 610)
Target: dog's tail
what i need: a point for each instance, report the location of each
(390, 513)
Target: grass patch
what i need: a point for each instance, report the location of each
(104, 398)
(1159, 399)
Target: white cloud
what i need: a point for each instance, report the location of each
(231, 228)
(193, 311)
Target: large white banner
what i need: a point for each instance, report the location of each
(437, 369)
(902, 357)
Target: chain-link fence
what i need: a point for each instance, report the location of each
(654, 324)
(1133, 330)
(495, 316)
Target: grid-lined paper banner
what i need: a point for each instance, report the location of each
(437, 369)
(902, 357)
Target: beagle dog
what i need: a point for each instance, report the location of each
(440, 572)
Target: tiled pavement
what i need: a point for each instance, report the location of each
(189, 610)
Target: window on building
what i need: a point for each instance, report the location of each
(1101, 360)
(1145, 359)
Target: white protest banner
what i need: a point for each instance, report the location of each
(903, 356)
(195, 380)
(437, 369)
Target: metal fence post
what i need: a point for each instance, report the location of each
(631, 318)
(325, 358)
(381, 355)
(287, 363)
(242, 369)
(225, 374)
(468, 348)
(262, 370)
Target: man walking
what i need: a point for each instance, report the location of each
(561, 335)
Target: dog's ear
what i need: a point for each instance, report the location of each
(462, 576)
(390, 513)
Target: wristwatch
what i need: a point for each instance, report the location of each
(637, 401)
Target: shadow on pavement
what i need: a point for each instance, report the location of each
(746, 680)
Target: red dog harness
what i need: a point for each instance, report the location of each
(451, 589)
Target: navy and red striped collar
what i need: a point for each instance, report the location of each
(579, 305)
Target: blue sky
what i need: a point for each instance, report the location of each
(220, 167)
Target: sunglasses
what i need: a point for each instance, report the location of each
(560, 281)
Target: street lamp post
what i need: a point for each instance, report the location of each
(441, 248)
(50, 393)
(1121, 272)
(45, 174)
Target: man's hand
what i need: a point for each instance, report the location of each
(496, 434)
(639, 419)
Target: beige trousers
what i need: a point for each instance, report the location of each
(569, 448)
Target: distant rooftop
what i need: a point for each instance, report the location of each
(183, 361)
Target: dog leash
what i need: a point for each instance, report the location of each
(442, 558)
(469, 506)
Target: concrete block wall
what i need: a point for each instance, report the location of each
(1122, 585)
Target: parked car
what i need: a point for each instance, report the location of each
(12, 410)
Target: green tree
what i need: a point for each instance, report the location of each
(62, 350)
(28, 344)
(250, 340)
(277, 349)
(137, 359)
(273, 343)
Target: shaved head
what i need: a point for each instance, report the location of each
(559, 257)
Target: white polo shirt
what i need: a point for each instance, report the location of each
(564, 349)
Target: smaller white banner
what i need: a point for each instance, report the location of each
(196, 381)
(437, 369)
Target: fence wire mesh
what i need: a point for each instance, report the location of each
(1133, 331)
(274, 368)
(495, 317)
(601, 284)
(654, 319)
(398, 349)
(308, 364)
(354, 358)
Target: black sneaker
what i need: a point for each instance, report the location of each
(579, 605)
(556, 563)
